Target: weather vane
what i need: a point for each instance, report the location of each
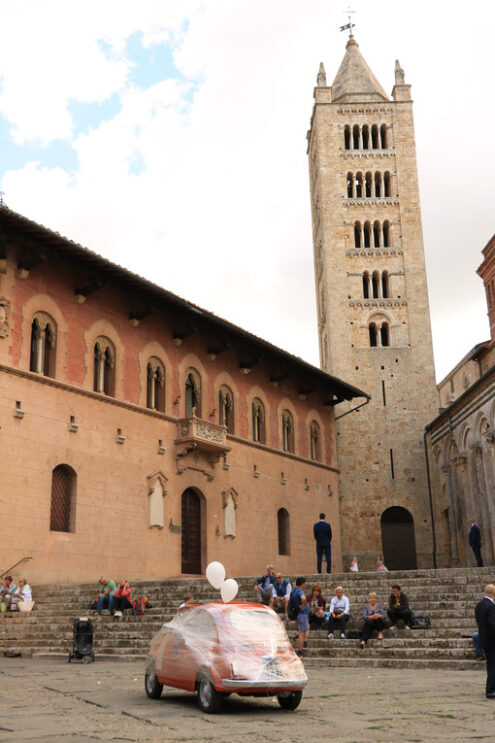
(2, 200)
(349, 25)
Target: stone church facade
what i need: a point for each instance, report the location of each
(142, 436)
(373, 313)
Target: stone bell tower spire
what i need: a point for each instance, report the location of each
(373, 313)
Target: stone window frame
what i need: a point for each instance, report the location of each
(43, 344)
(155, 384)
(104, 365)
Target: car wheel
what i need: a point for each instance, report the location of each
(209, 699)
(152, 685)
(291, 700)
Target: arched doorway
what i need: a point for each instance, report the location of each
(191, 532)
(399, 544)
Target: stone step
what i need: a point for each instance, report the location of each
(364, 661)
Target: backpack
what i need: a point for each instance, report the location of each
(137, 607)
(292, 607)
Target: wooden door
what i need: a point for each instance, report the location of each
(399, 544)
(191, 532)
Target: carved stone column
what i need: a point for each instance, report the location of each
(451, 511)
(486, 504)
(459, 489)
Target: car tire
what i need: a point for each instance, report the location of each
(291, 700)
(152, 686)
(209, 699)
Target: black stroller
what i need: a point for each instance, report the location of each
(82, 644)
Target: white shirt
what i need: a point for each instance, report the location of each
(287, 593)
(339, 604)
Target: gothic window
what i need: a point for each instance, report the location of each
(383, 136)
(386, 184)
(386, 234)
(374, 137)
(359, 185)
(368, 185)
(287, 432)
(347, 137)
(376, 234)
(283, 525)
(226, 408)
(373, 338)
(366, 285)
(104, 367)
(355, 137)
(62, 510)
(350, 179)
(385, 284)
(357, 234)
(375, 283)
(366, 137)
(367, 235)
(193, 393)
(315, 441)
(155, 390)
(258, 415)
(384, 334)
(43, 345)
(378, 185)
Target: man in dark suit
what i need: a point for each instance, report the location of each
(323, 535)
(485, 617)
(475, 542)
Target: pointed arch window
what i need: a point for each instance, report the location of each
(368, 185)
(378, 185)
(384, 334)
(104, 367)
(386, 184)
(366, 137)
(355, 137)
(357, 234)
(258, 420)
(350, 180)
(226, 408)
(359, 186)
(385, 284)
(287, 431)
(43, 345)
(366, 285)
(62, 508)
(155, 390)
(193, 393)
(315, 441)
(374, 137)
(376, 234)
(373, 337)
(375, 283)
(283, 528)
(347, 137)
(383, 136)
(367, 235)
(386, 234)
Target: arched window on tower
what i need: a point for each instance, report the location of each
(350, 179)
(283, 532)
(368, 185)
(359, 185)
(355, 137)
(386, 184)
(104, 367)
(376, 234)
(287, 432)
(378, 185)
(374, 137)
(258, 416)
(384, 334)
(383, 136)
(366, 137)
(375, 283)
(385, 284)
(62, 509)
(315, 441)
(367, 235)
(347, 137)
(226, 408)
(386, 234)
(43, 345)
(357, 234)
(366, 285)
(193, 393)
(155, 390)
(373, 336)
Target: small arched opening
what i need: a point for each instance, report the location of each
(398, 540)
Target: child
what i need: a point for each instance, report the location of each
(354, 565)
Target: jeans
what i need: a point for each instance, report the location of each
(477, 646)
(368, 627)
(395, 614)
(105, 602)
(342, 621)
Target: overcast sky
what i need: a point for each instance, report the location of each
(170, 137)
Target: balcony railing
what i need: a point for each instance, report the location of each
(208, 437)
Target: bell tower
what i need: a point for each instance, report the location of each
(373, 313)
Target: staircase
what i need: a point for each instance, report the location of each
(448, 596)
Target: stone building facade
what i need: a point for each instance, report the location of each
(142, 436)
(461, 445)
(373, 313)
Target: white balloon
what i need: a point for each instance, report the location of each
(229, 589)
(215, 572)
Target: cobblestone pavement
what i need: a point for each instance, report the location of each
(51, 701)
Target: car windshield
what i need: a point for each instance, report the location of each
(256, 624)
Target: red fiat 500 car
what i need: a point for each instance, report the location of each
(216, 649)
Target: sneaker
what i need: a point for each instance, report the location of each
(342, 636)
(406, 626)
(118, 614)
(380, 636)
(393, 628)
(330, 636)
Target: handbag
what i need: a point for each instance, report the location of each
(420, 621)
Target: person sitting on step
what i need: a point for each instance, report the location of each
(374, 618)
(281, 591)
(105, 598)
(316, 604)
(398, 608)
(339, 612)
(7, 591)
(122, 598)
(263, 585)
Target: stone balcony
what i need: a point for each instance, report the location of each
(208, 438)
